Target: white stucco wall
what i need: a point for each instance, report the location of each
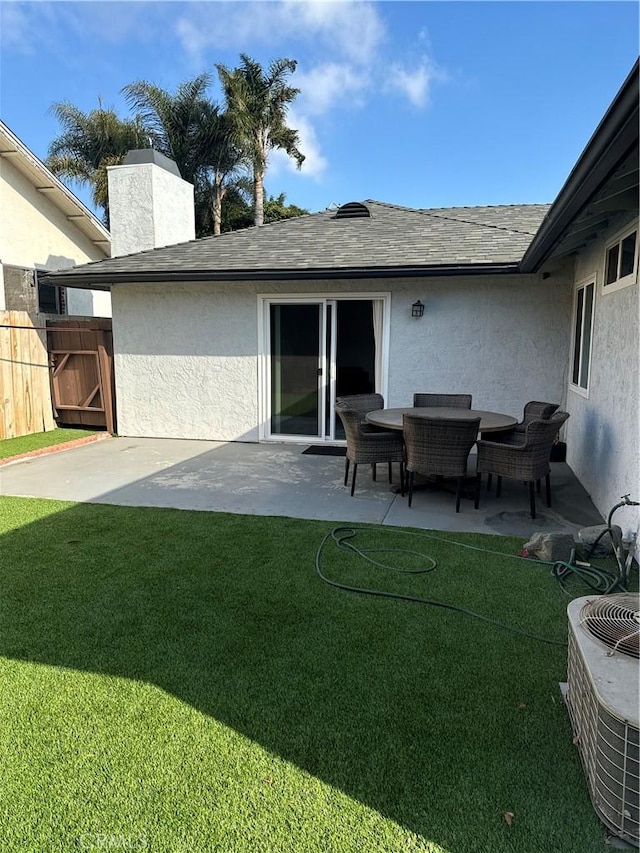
(88, 303)
(501, 339)
(186, 362)
(36, 234)
(163, 213)
(603, 432)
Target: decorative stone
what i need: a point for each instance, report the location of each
(550, 547)
(588, 535)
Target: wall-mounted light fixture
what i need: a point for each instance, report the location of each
(417, 309)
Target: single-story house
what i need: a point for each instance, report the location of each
(44, 227)
(250, 336)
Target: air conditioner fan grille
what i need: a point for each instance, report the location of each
(615, 621)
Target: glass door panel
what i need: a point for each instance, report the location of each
(296, 374)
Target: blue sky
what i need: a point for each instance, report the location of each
(423, 104)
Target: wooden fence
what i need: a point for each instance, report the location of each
(25, 388)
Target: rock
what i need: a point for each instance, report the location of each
(588, 535)
(550, 547)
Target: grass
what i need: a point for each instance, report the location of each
(36, 441)
(183, 681)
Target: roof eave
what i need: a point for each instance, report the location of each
(103, 280)
(50, 185)
(612, 141)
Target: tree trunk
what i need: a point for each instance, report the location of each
(258, 198)
(216, 205)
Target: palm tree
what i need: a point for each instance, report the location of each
(224, 159)
(90, 142)
(189, 128)
(175, 119)
(257, 104)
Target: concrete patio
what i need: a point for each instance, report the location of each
(277, 479)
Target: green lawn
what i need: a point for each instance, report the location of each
(36, 441)
(185, 682)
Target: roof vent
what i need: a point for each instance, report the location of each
(353, 210)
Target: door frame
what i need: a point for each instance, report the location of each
(264, 301)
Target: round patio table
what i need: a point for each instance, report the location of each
(489, 421)
(392, 419)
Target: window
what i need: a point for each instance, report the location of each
(621, 261)
(582, 328)
(51, 300)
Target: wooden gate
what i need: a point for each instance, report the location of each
(81, 361)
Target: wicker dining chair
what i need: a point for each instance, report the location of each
(521, 457)
(453, 401)
(361, 403)
(439, 447)
(536, 410)
(366, 444)
(533, 410)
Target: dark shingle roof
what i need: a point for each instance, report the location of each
(391, 240)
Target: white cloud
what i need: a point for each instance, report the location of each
(14, 25)
(352, 30)
(415, 84)
(314, 162)
(325, 85)
(17, 25)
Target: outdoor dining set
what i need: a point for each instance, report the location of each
(435, 436)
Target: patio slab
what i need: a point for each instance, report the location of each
(277, 479)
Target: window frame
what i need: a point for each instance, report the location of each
(582, 285)
(60, 296)
(617, 240)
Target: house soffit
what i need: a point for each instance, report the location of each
(46, 183)
(618, 196)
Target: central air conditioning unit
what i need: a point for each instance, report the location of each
(603, 702)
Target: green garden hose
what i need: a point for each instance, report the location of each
(343, 536)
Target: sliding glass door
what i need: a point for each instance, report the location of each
(317, 349)
(295, 333)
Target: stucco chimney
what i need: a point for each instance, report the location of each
(149, 204)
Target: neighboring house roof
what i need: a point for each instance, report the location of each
(46, 182)
(602, 185)
(393, 241)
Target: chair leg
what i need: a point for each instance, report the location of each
(346, 470)
(499, 486)
(476, 497)
(410, 486)
(489, 481)
(402, 479)
(532, 498)
(547, 481)
(390, 474)
(458, 492)
(373, 471)
(538, 487)
(353, 482)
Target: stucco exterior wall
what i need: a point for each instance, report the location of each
(36, 234)
(88, 303)
(186, 356)
(603, 432)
